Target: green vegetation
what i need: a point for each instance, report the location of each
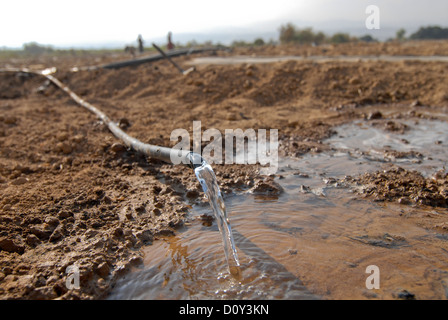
(400, 34)
(431, 32)
(367, 38)
(32, 49)
(291, 34)
(340, 38)
(259, 42)
(35, 48)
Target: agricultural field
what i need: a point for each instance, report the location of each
(73, 194)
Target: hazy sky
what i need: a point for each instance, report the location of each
(67, 23)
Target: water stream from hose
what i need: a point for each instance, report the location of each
(315, 239)
(207, 179)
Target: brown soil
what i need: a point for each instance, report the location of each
(405, 187)
(72, 194)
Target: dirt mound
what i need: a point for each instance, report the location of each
(405, 187)
(326, 84)
(408, 48)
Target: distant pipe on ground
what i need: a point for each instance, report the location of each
(153, 58)
(184, 72)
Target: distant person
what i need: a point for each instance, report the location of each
(170, 45)
(140, 43)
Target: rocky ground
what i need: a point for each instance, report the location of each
(71, 194)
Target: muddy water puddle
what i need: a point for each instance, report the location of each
(316, 239)
(420, 145)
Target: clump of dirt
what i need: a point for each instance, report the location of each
(393, 126)
(404, 186)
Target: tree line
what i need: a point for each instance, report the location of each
(291, 34)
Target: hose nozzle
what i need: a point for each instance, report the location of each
(195, 159)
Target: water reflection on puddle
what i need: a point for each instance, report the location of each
(315, 240)
(420, 145)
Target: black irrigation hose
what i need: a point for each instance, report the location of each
(153, 58)
(152, 151)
